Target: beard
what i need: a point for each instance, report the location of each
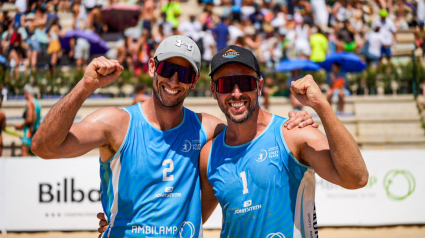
(252, 106)
(158, 94)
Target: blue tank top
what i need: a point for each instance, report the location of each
(151, 187)
(264, 191)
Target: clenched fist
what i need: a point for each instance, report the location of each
(308, 92)
(101, 72)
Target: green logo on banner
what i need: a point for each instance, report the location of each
(399, 184)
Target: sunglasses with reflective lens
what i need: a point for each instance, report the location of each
(246, 83)
(167, 70)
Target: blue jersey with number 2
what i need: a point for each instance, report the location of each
(151, 187)
(262, 188)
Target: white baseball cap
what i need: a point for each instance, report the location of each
(179, 46)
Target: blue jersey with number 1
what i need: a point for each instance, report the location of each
(151, 187)
(262, 188)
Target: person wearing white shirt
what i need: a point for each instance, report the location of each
(376, 41)
(388, 32)
(191, 28)
(209, 46)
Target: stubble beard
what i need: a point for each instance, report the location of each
(158, 95)
(226, 110)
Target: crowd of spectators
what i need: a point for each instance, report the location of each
(272, 29)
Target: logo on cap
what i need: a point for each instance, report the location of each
(230, 54)
(180, 43)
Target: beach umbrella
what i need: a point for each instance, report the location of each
(97, 45)
(350, 62)
(294, 64)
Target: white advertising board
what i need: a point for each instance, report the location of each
(51, 195)
(37, 194)
(394, 195)
(2, 227)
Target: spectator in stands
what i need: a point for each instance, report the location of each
(63, 6)
(319, 46)
(336, 80)
(191, 28)
(146, 51)
(207, 18)
(124, 56)
(420, 12)
(209, 46)
(55, 48)
(16, 51)
(302, 44)
(280, 46)
(32, 113)
(82, 53)
(375, 43)
(79, 17)
(388, 31)
(221, 33)
(32, 42)
(173, 11)
(5, 21)
(2, 125)
(140, 93)
(345, 37)
(234, 32)
(21, 7)
(167, 27)
(320, 14)
(342, 11)
(420, 38)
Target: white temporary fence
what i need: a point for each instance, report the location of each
(36, 194)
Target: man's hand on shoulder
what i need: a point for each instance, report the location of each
(300, 119)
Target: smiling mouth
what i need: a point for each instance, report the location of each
(170, 91)
(237, 105)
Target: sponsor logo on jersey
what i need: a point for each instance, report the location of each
(168, 193)
(155, 230)
(273, 152)
(276, 235)
(230, 54)
(262, 156)
(187, 230)
(247, 208)
(191, 145)
(186, 146)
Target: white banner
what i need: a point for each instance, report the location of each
(394, 195)
(51, 194)
(37, 194)
(2, 175)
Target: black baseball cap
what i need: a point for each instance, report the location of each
(234, 54)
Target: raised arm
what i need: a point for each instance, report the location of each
(208, 200)
(58, 138)
(336, 156)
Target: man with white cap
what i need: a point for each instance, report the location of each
(148, 152)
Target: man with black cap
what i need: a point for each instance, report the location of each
(148, 152)
(261, 173)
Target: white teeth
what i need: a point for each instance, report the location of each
(170, 91)
(237, 105)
